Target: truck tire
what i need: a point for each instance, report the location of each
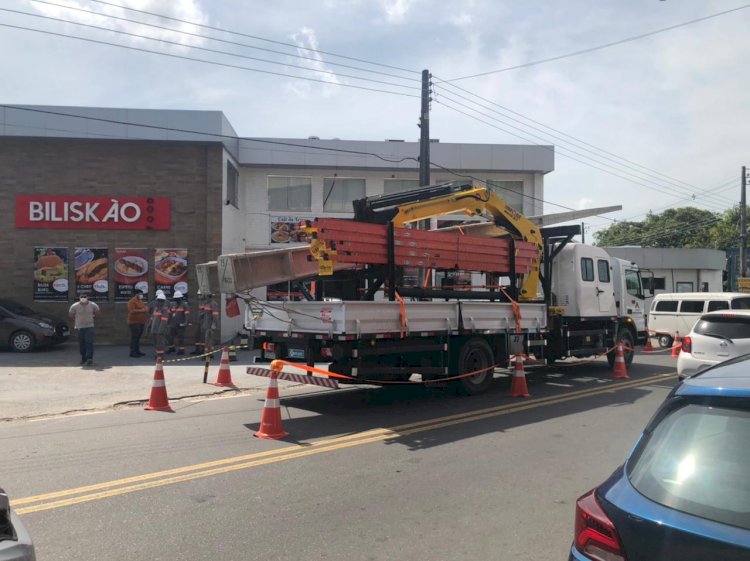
(475, 354)
(665, 341)
(628, 341)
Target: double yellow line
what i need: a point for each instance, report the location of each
(113, 488)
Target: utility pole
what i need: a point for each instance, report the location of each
(424, 137)
(743, 227)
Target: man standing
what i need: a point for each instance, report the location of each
(179, 313)
(83, 313)
(208, 317)
(137, 311)
(157, 324)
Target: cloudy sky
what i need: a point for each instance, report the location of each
(661, 121)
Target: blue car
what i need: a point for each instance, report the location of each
(684, 492)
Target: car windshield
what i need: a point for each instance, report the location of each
(696, 461)
(16, 308)
(728, 326)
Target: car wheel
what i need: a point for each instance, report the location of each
(665, 341)
(626, 338)
(475, 354)
(22, 342)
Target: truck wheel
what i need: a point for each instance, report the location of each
(475, 354)
(626, 338)
(665, 341)
(22, 342)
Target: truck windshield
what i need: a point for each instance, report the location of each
(633, 283)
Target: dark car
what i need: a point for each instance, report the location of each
(24, 329)
(15, 542)
(684, 492)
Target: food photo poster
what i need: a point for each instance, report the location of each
(51, 274)
(171, 270)
(92, 272)
(130, 272)
(287, 229)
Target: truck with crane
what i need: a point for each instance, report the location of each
(541, 294)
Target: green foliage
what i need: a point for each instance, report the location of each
(686, 227)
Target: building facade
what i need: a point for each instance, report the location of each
(108, 197)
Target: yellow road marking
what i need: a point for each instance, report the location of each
(217, 467)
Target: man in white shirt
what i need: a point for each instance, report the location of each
(83, 313)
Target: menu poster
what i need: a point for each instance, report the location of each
(171, 270)
(286, 229)
(131, 272)
(50, 274)
(92, 272)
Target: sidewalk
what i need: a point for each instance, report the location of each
(51, 381)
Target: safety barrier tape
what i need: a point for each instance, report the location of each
(203, 355)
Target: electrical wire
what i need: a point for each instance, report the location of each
(204, 61)
(600, 47)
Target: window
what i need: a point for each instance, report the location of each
(728, 326)
(603, 267)
(692, 306)
(399, 185)
(666, 306)
(714, 305)
(587, 268)
(741, 303)
(233, 180)
(289, 193)
(338, 193)
(510, 191)
(633, 282)
(684, 286)
(695, 460)
(654, 283)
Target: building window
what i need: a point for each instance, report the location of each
(654, 283)
(399, 185)
(603, 267)
(339, 192)
(684, 286)
(510, 191)
(587, 268)
(289, 193)
(233, 180)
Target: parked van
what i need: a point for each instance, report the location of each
(677, 312)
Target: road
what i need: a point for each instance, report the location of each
(366, 473)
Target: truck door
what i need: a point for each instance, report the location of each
(604, 292)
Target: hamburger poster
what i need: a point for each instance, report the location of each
(92, 272)
(51, 274)
(131, 272)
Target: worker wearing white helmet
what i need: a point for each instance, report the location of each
(158, 322)
(178, 320)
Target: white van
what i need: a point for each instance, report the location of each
(677, 312)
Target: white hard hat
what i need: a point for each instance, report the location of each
(160, 293)
(177, 294)
(199, 292)
(160, 296)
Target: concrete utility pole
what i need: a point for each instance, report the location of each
(743, 227)
(424, 137)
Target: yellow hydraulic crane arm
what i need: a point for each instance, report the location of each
(480, 201)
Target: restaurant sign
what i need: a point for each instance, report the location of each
(86, 212)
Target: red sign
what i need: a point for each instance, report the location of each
(84, 212)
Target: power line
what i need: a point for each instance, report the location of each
(215, 63)
(198, 35)
(600, 47)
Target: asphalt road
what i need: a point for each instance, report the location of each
(366, 473)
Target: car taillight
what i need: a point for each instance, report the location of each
(595, 536)
(687, 345)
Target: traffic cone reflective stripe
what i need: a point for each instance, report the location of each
(620, 369)
(676, 345)
(224, 379)
(270, 420)
(158, 401)
(518, 386)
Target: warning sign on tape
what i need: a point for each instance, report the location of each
(299, 378)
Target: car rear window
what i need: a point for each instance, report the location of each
(696, 461)
(729, 326)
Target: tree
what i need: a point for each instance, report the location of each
(726, 233)
(686, 227)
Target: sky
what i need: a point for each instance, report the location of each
(658, 122)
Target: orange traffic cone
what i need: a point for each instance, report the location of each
(620, 369)
(518, 381)
(158, 401)
(648, 348)
(224, 379)
(676, 345)
(270, 419)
